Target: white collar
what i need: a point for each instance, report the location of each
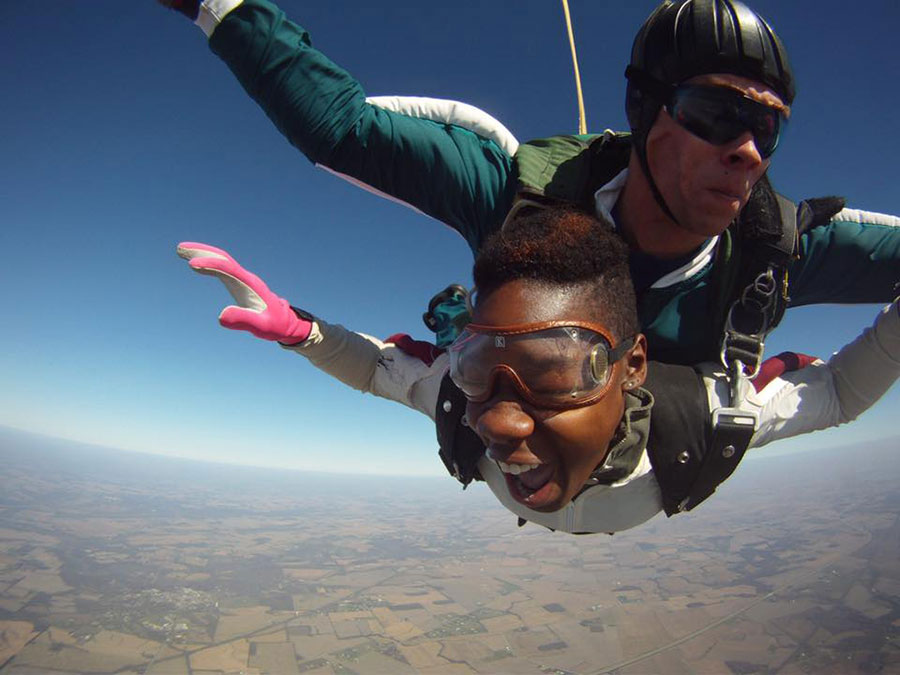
(605, 200)
(606, 197)
(600, 508)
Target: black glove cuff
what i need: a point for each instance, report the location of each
(190, 8)
(303, 314)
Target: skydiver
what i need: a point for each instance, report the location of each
(548, 395)
(687, 188)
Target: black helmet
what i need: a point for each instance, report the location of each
(685, 38)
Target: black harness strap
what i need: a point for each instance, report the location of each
(768, 233)
(731, 433)
(767, 240)
(460, 448)
(692, 451)
(679, 430)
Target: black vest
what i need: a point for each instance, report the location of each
(689, 457)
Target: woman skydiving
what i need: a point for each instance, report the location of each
(548, 395)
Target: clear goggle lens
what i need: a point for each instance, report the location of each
(558, 366)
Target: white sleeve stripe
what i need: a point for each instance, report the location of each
(212, 12)
(375, 191)
(450, 112)
(866, 218)
(368, 188)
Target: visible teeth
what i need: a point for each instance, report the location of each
(516, 469)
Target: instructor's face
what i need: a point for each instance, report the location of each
(707, 185)
(547, 455)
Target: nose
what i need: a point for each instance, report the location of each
(503, 425)
(742, 152)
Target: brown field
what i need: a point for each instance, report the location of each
(111, 576)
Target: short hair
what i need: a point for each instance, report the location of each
(563, 246)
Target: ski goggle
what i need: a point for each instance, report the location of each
(553, 364)
(719, 115)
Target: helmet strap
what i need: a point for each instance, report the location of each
(641, 147)
(650, 97)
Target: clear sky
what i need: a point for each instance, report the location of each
(122, 134)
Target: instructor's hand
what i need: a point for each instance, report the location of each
(258, 309)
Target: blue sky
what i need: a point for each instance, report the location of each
(122, 134)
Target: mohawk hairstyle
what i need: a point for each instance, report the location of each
(563, 246)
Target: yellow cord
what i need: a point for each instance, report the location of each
(582, 122)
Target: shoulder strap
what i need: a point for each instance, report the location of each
(750, 276)
(459, 446)
(692, 450)
(679, 425)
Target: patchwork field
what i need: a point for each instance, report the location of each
(128, 565)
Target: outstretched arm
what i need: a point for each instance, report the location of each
(854, 258)
(447, 159)
(359, 361)
(823, 395)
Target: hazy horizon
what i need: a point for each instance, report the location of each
(436, 472)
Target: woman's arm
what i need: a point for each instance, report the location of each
(359, 361)
(823, 395)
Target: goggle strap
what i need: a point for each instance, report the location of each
(621, 349)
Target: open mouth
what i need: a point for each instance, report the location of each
(529, 484)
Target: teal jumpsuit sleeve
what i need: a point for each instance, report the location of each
(855, 258)
(446, 171)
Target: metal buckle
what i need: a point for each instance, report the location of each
(736, 416)
(756, 341)
(763, 290)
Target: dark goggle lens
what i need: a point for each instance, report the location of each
(719, 115)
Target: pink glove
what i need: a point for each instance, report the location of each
(259, 310)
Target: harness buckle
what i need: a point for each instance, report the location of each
(747, 323)
(746, 350)
(733, 429)
(737, 418)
